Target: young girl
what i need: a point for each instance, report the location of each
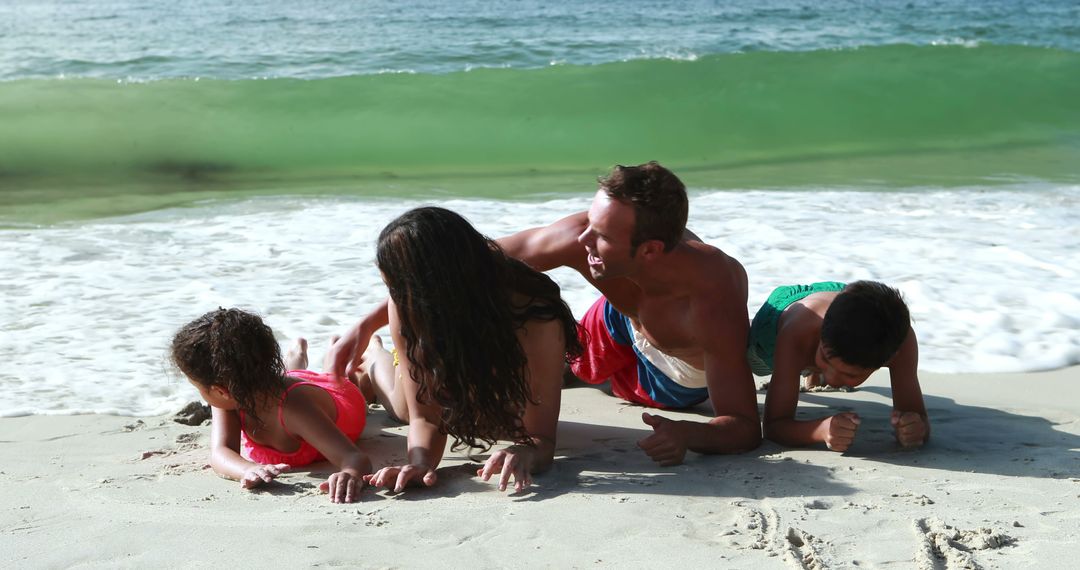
(482, 341)
(267, 419)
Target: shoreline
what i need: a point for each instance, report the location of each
(997, 486)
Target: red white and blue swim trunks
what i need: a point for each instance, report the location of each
(638, 371)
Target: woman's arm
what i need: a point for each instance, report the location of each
(545, 351)
(426, 443)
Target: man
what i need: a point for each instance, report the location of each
(671, 327)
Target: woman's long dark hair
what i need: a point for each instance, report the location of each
(235, 350)
(454, 290)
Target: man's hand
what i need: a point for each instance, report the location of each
(516, 460)
(258, 474)
(667, 445)
(911, 428)
(400, 476)
(841, 430)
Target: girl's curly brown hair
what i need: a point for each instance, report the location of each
(235, 350)
(454, 290)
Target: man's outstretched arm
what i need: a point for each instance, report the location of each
(542, 248)
(551, 246)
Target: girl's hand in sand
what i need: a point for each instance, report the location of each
(399, 477)
(516, 460)
(911, 429)
(258, 474)
(343, 487)
(667, 444)
(841, 430)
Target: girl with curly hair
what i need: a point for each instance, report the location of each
(482, 340)
(270, 414)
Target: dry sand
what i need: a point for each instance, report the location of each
(998, 487)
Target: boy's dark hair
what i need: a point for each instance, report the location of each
(658, 198)
(865, 324)
(232, 349)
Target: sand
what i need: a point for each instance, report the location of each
(997, 487)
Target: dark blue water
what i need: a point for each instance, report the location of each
(234, 39)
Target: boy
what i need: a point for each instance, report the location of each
(840, 334)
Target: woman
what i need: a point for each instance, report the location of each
(482, 340)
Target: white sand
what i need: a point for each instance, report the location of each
(998, 487)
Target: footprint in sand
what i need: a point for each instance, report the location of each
(764, 531)
(921, 500)
(942, 546)
(187, 442)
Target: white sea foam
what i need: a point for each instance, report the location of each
(88, 309)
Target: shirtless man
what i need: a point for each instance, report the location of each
(671, 328)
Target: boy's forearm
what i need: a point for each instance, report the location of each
(795, 433)
(925, 421)
(722, 434)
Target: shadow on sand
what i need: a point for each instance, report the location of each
(964, 438)
(605, 460)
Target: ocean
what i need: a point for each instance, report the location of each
(161, 159)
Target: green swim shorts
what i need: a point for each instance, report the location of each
(761, 347)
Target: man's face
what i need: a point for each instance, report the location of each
(607, 237)
(837, 373)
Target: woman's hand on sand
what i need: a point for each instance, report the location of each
(343, 487)
(516, 460)
(841, 430)
(911, 428)
(258, 474)
(399, 477)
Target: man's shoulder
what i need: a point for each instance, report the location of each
(719, 275)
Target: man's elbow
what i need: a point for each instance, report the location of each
(740, 434)
(752, 440)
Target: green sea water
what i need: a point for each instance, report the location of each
(892, 115)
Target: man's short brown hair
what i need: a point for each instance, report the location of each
(658, 198)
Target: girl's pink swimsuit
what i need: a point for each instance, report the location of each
(351, 416)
